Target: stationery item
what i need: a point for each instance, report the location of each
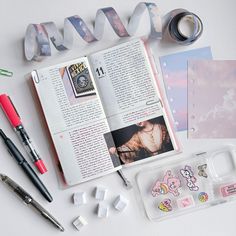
(100, 193)
(102, 210)
(182, 26)
(15, 153)
(29, 201)
(191, 180)
(174, 71)
(6, 73)
(16, 123)
(202, 170)
(120, 203)
(203, 197)
(79, 198)
(165, 205)
(126, 121)
(194, 191)
(79, 223)
(169, 184)
(211, 99)
(186, 201)
(228, 190)
(127, 183)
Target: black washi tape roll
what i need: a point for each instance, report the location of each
(185, 28)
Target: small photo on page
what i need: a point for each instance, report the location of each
(142, 140)
(77, 82)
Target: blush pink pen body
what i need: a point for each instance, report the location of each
(15, 120)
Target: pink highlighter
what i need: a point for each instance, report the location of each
(16, 123)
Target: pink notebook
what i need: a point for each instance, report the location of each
(211, 99)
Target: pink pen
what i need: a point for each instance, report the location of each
(16, 123)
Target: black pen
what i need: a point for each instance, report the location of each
(15, 153)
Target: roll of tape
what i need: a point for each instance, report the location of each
(185, 27)
(38, 36)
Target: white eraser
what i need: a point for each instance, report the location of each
(79, 223)
(120, 203)
(100, 193)
(102, 210)
(79, 198)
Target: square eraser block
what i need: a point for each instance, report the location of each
(100, 193)
(120, 203)
(79, 198)
(79, 223)
(102, 210)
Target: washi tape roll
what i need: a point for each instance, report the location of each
(38, 36)
(184, 27)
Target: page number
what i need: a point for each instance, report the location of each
(100, 72)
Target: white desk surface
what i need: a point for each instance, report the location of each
(15, 218)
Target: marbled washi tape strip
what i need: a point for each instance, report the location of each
(38, 36)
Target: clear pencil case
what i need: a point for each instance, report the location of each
(202, 180)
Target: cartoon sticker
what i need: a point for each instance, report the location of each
(187, 173)
(186, 201)
(228, 190)
(169, 184)
(165, 205)
(203, 197)
(202, 170)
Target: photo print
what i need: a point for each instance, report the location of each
(142, 140)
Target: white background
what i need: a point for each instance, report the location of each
(16, 219)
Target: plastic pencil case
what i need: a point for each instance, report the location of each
(202, 180)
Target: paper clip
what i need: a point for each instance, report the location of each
(6, 73)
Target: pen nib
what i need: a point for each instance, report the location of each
(2, 176)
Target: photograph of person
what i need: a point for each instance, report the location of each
(142, 140)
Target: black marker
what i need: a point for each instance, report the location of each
(15, 153)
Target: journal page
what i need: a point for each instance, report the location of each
(76, 120)
(132, 102)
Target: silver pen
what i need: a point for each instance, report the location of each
(29, 201)
(127, 183)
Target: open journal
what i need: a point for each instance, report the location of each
(105, 111)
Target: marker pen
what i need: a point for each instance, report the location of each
(16, 123)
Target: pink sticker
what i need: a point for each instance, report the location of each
(169, 184)
(185, 202)
(228, 190)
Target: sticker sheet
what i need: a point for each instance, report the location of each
(202, 180)
(174, 71)
(211, 99)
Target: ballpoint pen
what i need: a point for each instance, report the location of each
(15, 153)
(16, 123)
(29, 201)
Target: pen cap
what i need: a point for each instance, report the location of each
(10, 110)
(41, 167)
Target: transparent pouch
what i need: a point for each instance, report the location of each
(202, 180)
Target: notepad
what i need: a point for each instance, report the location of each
(174, 71)
(211, 99)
